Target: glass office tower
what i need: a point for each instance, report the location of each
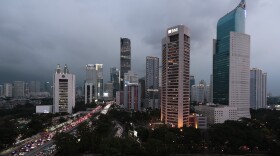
(231, 61)
(125, 59)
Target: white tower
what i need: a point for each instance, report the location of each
(64, 90)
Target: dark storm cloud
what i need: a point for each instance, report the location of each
(35, 35)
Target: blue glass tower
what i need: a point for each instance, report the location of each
(233, 21)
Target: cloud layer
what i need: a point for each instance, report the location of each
(35, 35)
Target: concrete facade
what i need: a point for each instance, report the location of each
(175, 91)
(64, 91)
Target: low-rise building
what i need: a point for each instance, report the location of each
(217, 113)
(44, 109)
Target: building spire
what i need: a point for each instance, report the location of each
(58, 69)
(242, 4)
(66, 71)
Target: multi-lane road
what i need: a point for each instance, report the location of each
(43, 141)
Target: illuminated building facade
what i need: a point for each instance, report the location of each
(93, 82)
(125, 60)
(175, 91)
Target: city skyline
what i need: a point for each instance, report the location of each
(30, 36)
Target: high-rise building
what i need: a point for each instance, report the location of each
(19, 89)
(26, 89)
(152, 82)
(192, 82)
(64, 90)
(90, 83)
(211, 89)
(35, 86)
(231, 62)
(99, 81)
(93, 82)
(47, 87)
(258, 89)
(108, 91)
(125, 60)
(8, 90)
(143, 92)
(79, 92)
(175, 91)
(115, 79)
(2, 90)
(132, 92)
(200, 93)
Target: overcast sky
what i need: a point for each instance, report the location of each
(36, 35)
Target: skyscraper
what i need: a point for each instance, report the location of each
(19, 89)
(258, 89)
(192, 82)
(125, 60)
(8, 90)
(200, 93)
(132, 92)
(35, 86)
(2, 91)
(231, 62)
(175, 93)
(108, 91)
(64, 91)
(99, 79)
(115, 79)
(93, 82)
(152, 82)
(90, 83)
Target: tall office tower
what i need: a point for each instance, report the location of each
(231, 62)
(93, 82)
(211, 89)
(152, 82)
(175, 91)
(108, 91)
(160, 76)
(35, 86)
(63, 91)
(47, 87)
(26, 89)
(125, 60)
(143, 92)
(192, 80)
(258, 89)
(2, 91)
(90, 83)
(8, 90)
(99, 81)
(79, 91)
(19, 89)
(200, 93)
(115, 79)
(132, 92)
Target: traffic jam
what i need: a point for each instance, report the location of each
(45, 137)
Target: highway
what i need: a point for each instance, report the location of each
(38, 150)
(35, 146)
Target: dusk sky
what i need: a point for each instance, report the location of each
(36, 35)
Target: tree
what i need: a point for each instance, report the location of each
(66, 144)
(8, 133)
